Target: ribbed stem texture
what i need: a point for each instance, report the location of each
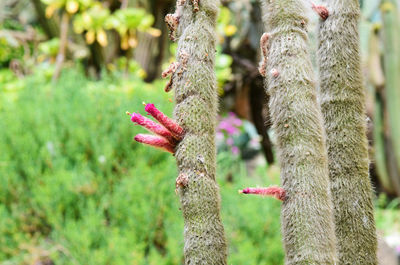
(196, 110)
(343, 108)
(307, 211)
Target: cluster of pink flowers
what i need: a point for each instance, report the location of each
(227, 129)
(168, 132)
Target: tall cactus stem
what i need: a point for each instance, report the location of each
(196, 111)
(342, 99)
(307, 211)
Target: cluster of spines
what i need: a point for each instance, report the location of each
(264, 54)
(172, 20)
(168, 132)
(172, 70)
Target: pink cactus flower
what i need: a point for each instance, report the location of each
(277, 192)
(155, 141)
(152, 126)
(168, 123)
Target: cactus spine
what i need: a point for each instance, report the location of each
(343, 108)
(196, 110)
(307, 211)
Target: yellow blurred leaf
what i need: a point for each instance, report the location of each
(132, 42)
(90, 37)
(387, 7)
(142, 73)
(230, 30)
(124, 42)
(102, 37)
(154, 32)
(86, 18)
(72, 6)
(50, 10)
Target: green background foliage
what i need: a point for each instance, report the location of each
(76, 189)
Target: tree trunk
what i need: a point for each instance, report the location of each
(49, 25)
(343, 107)
(194, 82)
(307, 212)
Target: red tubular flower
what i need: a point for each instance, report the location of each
(168, 123)
(277, 192)
(155, 141)
(152, 127)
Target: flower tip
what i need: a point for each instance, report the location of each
(128, 113)
(246, 191)
(134, 117)
(148, 107)
(240, 191)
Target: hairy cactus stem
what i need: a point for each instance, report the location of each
(342, 99)
(276, 192)
(176, 130)
(196, 110)
(297, 122)
(156, 141)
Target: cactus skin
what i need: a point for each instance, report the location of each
(343, 106)
(307, 211)
(195, 111)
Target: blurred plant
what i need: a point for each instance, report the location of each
(225, 27)
(92, 21)
(128, 21)
(71, 6)
(124, 65)
(73, 191)
(223, 69)
(228, 129)
(238, 137)
(49, 49)
(9, 50)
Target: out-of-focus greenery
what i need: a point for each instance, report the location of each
(387, 215)
(76, 189)
(92, 18)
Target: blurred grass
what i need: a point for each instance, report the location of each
(76, 189)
